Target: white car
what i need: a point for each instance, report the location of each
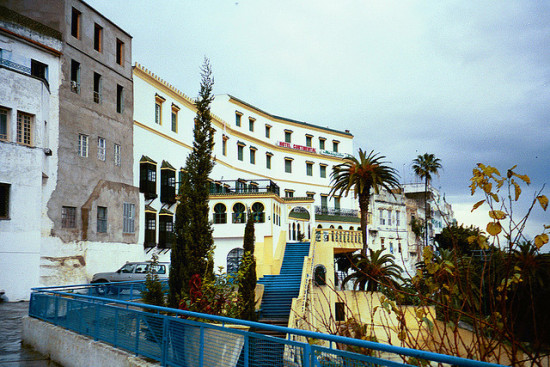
(131, 271)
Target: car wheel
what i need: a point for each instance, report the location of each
(101, 289)
(114, 290)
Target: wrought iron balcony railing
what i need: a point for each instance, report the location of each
(336, 211)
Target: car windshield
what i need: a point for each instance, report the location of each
(128, 268)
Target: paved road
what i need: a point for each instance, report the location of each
(12, 353)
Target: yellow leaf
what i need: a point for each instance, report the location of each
(494, 228)
(497, 214)
(525, 178)
(543, 200)
(478, 204)
(488, 187)
(541, 240)
(471, 239)
(517, 190)
(495, 197)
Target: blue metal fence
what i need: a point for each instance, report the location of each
(183, 338)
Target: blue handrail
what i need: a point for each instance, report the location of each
(159, 335)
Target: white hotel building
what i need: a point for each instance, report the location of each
(276, 167)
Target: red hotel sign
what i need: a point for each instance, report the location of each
(296, 146)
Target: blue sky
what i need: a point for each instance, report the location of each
(467, 81)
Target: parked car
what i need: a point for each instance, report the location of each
(131, 271)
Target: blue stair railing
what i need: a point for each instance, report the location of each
(279, 290)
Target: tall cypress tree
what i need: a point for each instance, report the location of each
(194, 242)
(247, 273)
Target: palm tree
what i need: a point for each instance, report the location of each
(374, 270)
(424, 166)
(360, 175)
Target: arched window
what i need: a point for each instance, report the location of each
(340, 227)
(220, 215)
(319, 226)
(258, 212)
(239, 215)
(351, 228)
(319, 275)
(234, 258)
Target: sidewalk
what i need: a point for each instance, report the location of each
(12, 353)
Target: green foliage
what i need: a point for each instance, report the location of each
(417, 227)
(153, 293)
(424, 166)
(194, 242)
(247, 274)
(373, 270)
(360, 175)
(458, 238)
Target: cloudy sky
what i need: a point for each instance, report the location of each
(467, 81)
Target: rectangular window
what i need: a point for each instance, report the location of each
(238, 118)
(310, 195)
(322, 143)
(323, 170)
(340, 311)
(102, 219)
(158, 112)
(309, 169)
(75, 23)
(75, 76)
(129, 213)
(252, 156)
(4, 201)
(251, 124)
(382, 220)
(397, 220)
(268, 161)
(174, 121)
(240, 149)
(24, 128)
(288, 165)
(224, 146)
(39, 69)
(119, 99)
(389, 217)
(166, 231)
(82, 145)
(324, 201)
(148, 179)
(68, 217)
(116, 154)
(288, 136)
(289, 193)
(97, 88)
(150, 229)
(335, 145)
(267, 131)
(336, 203)
(101, 149)
(3, 124)
(167, 185)
(119, 52)
(98, 37)
(308, 140)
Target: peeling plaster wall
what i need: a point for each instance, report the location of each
(76, 262)
(27, 169)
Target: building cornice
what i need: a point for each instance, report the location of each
(288, 121)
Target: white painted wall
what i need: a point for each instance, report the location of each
(28, 170)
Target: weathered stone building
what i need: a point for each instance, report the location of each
(91, 215)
